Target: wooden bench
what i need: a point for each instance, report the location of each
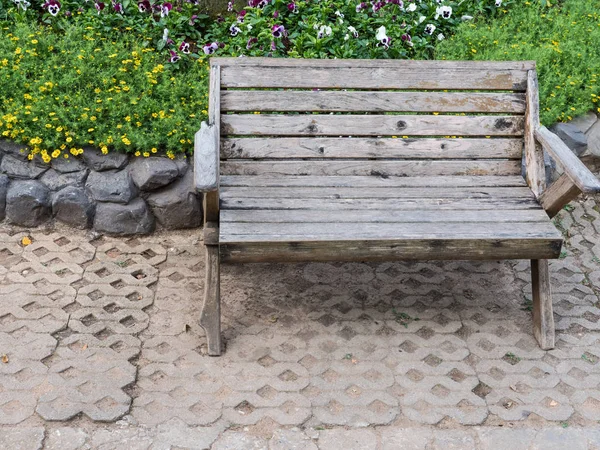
(372, 160)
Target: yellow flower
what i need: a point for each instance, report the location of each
(137, 153)
(90, 130)
(69, 139)
(56, 154)
(104, 150)
(146, 154)
(153, 150)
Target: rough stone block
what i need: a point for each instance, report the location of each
(27, 203)
(72, 206)
(21, 438)
(3, 188)
(67, 165)
(23, 170)
(55, 180)
(132, 218)
(178, 205)
(66, 439)
(111, 186)
(593, 136)
(95, 160)
(585, 122)
(152, 173)
(572, 137)
(19, 151)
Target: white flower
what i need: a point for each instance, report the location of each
(429, 29)
(249, 27)
(324, 31)
(412, 7)
(498, 3)
(165, 35)
(381, 34)
(339, 14)
(422, 19)
(441, 37)
(346, 37)
(353, 31)
(444, 11)
(466, 18)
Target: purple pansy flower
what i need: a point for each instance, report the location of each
(144, 6)
(251, 42)
(165, 8)
(234, 30)
(118, 7)
(193, 19)
(184, 48)
(209, 49)
(360, 6)
(292, 7)
(99, 6)
(53, 7)
(174, 57)
(230, 6)
(241, 15)
(278, 31)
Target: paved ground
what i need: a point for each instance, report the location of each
(100, 348)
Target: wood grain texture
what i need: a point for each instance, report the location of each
(412, 204)
(210, 316)
(371, 181)
(534, 155)
(373, 168)
(376, 78)
(382, 216)
(373, 192)
(561, 192)
(206, 158)
(318, 147)
(370, 125)
(543, 319)
(364, 101)
(583, 178)
(302, 63)
(384, 250)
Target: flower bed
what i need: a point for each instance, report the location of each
(132, 77)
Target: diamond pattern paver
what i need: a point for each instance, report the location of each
(108, 327)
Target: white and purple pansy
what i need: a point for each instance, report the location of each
(234, 30)
(241, 15)
(444, 11)
(498, 3)
(324, 31)
(230, 6)
(118, 7)
(209, 49)
(352, 30)
(292, 7)
(99, 6)
(251, 42)
(429, 29)
(174, 57)
(383, 38)
(165, 8)
(144, 6)
(184, 48)
(53, 7)
(278, 31)
(360, 6)
(23, 4)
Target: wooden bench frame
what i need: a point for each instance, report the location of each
(576, 179)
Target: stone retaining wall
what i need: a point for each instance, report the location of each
(112, 193)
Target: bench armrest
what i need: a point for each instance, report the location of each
(206, 158)
(577, 172)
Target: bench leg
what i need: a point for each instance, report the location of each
(543, 319)
(210, 317)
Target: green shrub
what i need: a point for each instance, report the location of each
(564, 39)
(61, 92)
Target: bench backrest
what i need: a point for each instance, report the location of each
(370, 117)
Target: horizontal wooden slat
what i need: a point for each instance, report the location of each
(370, 125)
(259, 232)
(361, 101)
(379, 78)
(381, 203)
(374, 168)
(385, 63)
(382, 250)
(382, 216)
(366, 181)
(425, 148)
(373, 192)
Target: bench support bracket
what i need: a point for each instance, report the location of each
(543, 319)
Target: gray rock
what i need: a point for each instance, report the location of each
(293, 439)
(55, 181)
(71, 164)
(572, 136)
(22, 438)
(19, 151)
(585, 122)
(152, 173)
(95, 160)
(27, 203)
(65, 438)
(133, 218)
(71, 206)
(182, 165)
(593, 136)
(111, 186)
(177, 206)
(22, 170)
(3, 188)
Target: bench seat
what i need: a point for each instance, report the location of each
(378, 219)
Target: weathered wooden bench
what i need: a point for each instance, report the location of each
(363, 160)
